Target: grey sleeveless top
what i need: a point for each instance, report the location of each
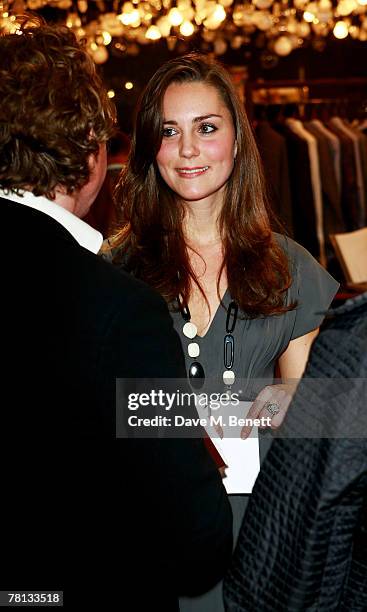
(259, 342)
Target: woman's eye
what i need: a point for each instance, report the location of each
(207, 128)
(169, 131)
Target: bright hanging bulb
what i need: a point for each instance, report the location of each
(340, 30)
(106, 37)
(186, 28)
(346, 7)
(153, 33)
(164, 26)
(219, 13)
(283, 46)
(82, 6)
(100, 55)
(175, 17)
(309, 17)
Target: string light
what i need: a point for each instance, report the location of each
(279, 25)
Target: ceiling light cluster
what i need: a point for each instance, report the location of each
(279, 26)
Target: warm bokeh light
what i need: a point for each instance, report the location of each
(153, 33)
(283, 46)
(309, 17)
(175, 17)
(276, 26)
(186, 28)
(106, 37)
(340, 30)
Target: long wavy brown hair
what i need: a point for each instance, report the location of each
(54, 110)
(151, 240)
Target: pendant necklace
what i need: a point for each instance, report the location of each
(189, 330)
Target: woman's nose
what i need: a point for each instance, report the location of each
(189, 146)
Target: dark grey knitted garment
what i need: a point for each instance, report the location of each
(303, 543)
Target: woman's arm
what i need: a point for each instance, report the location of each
(291, 365)
(293, 361)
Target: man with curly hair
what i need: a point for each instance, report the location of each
(126, 524)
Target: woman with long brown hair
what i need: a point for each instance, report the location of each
(195, 227)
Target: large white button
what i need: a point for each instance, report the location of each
(229, 377)
(190, 330)
(193, 349)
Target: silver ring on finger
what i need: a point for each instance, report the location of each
(273, 408)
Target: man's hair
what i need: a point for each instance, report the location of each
(54, 111)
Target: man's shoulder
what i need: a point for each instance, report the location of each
(100, 281)
(351, 317)
(40, 246)
(341, 344)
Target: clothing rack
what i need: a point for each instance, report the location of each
(351, 81)
(316, 171)
(308, 92)
(322, 108)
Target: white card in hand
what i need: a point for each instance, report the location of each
(241, 456)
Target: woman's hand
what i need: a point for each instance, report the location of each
(271, 403)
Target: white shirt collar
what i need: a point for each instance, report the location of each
(84, 234)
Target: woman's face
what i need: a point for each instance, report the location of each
(198, 147)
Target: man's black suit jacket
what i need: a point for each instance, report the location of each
(124, 524)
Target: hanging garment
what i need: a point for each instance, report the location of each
(337, 121)
(331, 200)
(362, 143)
(349, 201)
(334, 148)
(298, 128)
(273, 151)
(303, 210)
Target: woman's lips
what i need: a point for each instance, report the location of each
(191, 172)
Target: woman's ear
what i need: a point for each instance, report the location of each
(235, 150)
